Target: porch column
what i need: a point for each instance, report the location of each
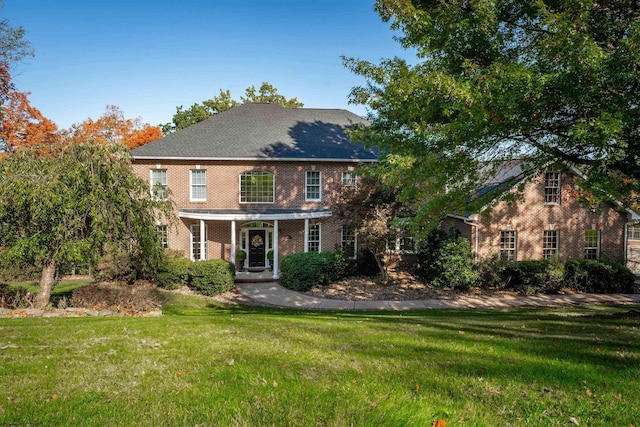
(203, 241)
(276, 249)
(306, 234)
(233, 243)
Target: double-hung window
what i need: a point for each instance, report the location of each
(591, 244)
(552, 188)
(163, 235)
(313, 243)
(313, 186)
(198, 185)
(159, 187)
(196, 246)
(550, 244)
(508, 245)
(348, 242)
(349, 179)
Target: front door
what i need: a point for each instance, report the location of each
(256, 248)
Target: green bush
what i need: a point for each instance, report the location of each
(174, 273)
(453, 265)
(534, 276)
(303, 271)
(598, 276)
(212, 277)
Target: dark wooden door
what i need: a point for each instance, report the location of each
(256, 248)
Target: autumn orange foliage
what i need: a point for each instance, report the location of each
(23, 125)
(112, 127)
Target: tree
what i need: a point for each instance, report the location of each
(371, 210)
(23, 125)
(223, 102)
(73, 204)
(113, 128)
(546, 81)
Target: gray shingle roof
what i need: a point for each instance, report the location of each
(263, 131)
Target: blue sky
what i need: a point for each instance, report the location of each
(149, 56)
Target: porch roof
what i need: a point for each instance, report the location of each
(253, 214)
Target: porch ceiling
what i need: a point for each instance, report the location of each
(252, 214)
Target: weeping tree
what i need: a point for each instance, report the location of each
(493, 81)
(72, 202)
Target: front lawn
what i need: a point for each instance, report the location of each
(204, 364)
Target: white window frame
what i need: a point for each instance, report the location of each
(193, 173)
(161, 192)
(509, 245)
(315, 186)
(249, 174)
(163, 234)
(550, 244)
(349, 232)
(633, 232)
(591, 251)
(316, 243)
(193, 243)
(552, 188)
(349, 179)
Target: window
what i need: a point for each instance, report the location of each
(403, 243)
(313, 244)
(550, 244)
(348, 242)
(159, 188)
(163, 235)
(508, 242)
(633, 233)
(552, 188)
(349, 179)
(313, 186)
(195, 242)
(591, 244)
(256, 187)
(199, 185)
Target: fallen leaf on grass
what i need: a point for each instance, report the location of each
(574, 421)
(181, 373)
(230, 362)
(275, 384)
(439, 423)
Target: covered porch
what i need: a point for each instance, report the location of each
(254, 231)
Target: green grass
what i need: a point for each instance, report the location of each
(205, 364)
(61, 289)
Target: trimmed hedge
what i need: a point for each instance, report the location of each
(549, 276)
(209, 277)
(303, 271)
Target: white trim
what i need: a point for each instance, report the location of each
(314, 241)
(191, 174)
(306, 186)
(268, 159)
(276, 250)
(246, 216)
(152, 184)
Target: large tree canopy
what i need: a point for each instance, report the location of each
(545, 80)
(223, 102)
(72, 204)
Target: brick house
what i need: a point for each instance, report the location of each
(546, 222)
(258, 178)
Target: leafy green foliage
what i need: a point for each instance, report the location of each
(495, 81)
(72, 203)
(598, 276)
(174, 273)
(445, 259)
(223, 102)
(212, 277)
(305, 270)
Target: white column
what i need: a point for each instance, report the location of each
(276, 249)
(233, 242)
(306, 234)
(203, 241)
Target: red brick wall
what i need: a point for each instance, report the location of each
(530, 217)
(223, 192)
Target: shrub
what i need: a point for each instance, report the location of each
(174, 272)
(13, 298)
(13, 271)
(132, 299)
(116, 264)
(452, 265)
(598, 276)
(492, 272)
(303, 271)
(534, 276)
(212, 277)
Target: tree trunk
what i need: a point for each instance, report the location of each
(46, 285)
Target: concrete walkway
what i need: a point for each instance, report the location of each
(272, 294)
